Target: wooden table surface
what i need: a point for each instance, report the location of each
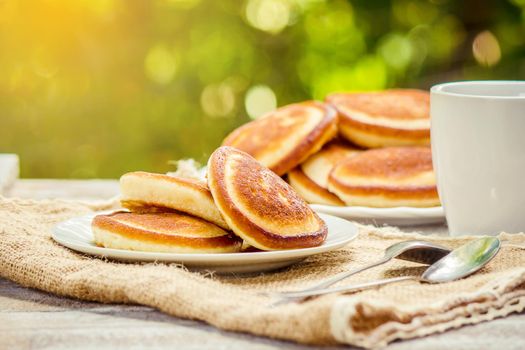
(30, 319)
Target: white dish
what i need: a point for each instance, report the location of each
(400, 216)
(76, 234)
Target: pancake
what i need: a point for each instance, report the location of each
(147, 192)
(386, 177)
(162, 232)
(387, 118)
(284, 138)
(310, 191)
(259, 206)
(310, 179)
(318, 166)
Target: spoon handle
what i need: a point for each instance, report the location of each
(340, 276)
(350, 288)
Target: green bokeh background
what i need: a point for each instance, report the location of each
(101, 87)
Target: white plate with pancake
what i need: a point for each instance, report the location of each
(76, 234)
(397, 216)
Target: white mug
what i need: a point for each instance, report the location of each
(478, 151)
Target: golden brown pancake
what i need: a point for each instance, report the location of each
(318, 166)
(148, 192)
(386, 118)
(259, 206)
(310, 191)
(310, 179)
(284, 138)
(162, 232)
(386, 177)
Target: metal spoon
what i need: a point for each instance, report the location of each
(417, 251)
(460, 263)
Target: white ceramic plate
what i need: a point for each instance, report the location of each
(400, 216)
(76, 234)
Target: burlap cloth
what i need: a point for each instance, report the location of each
(370, 318)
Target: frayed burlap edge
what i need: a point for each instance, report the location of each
(494, 301)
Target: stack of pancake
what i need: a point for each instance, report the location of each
(242, 202)
(358, 149)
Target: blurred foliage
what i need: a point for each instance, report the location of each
(95, 88)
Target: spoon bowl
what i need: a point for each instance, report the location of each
(463, 261)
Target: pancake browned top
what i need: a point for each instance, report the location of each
(166, 228)
(393, 167)
(284, 138)
(169, 224)
(386, 177)
(259, 206)
(402, 104)
(391, 162)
